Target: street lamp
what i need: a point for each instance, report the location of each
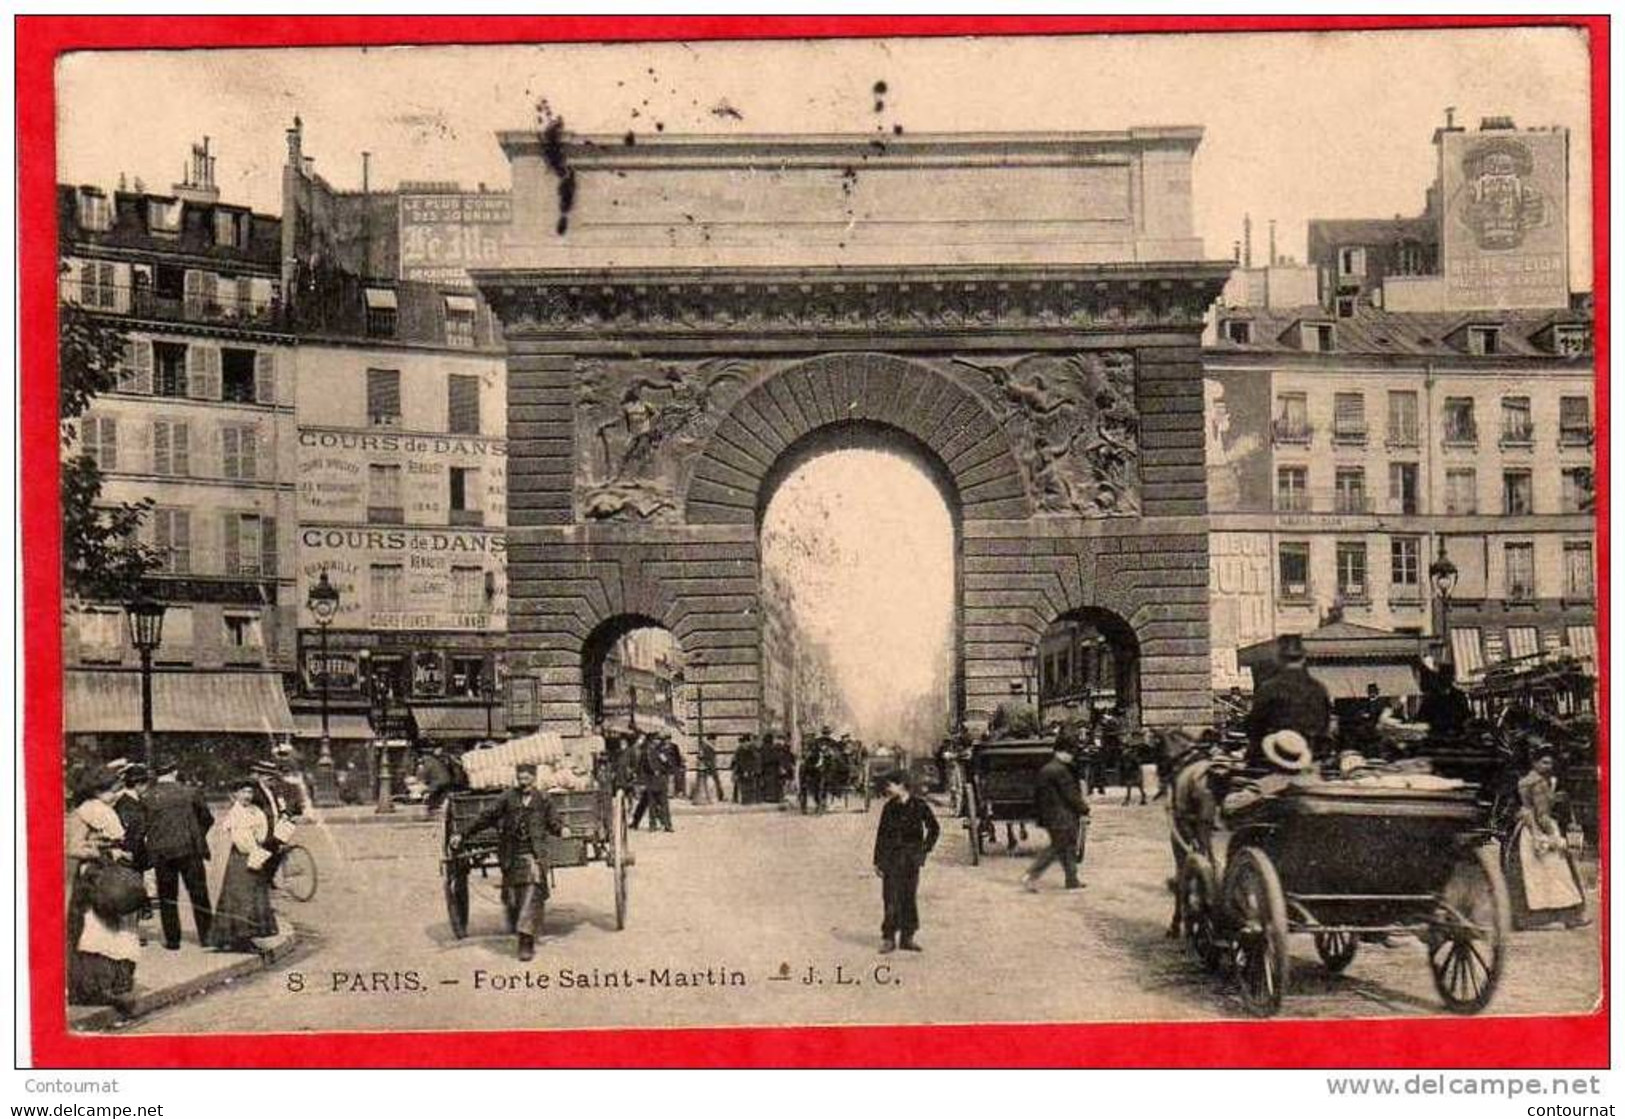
(697, 661)
(1443, 574)
(1029, 669)
(488, 692)
(146, 615)
(323, 601)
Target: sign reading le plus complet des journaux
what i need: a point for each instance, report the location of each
(1506, 219)
(444, 235)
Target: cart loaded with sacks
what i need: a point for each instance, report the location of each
(592, 811)
(1343, 860)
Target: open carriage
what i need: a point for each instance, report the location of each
(1338, 860)
(595, 825)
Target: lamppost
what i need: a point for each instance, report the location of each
(381, 727)
(697, 661)
(146, 615)
(1029, 670)
(323, 601)
(1443, 574)
(488, 692)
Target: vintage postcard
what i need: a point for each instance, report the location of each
(1028, 530)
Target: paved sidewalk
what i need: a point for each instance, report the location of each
(164, 978)
(409, 815)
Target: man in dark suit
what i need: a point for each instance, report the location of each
(178, 824)
(1061, 811)
(908, 830)
(132, 814)
(706, 776)
(747, 767)
(1291, 699)
(524, 818)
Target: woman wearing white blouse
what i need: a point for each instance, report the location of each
(243, 913)
(102, 953)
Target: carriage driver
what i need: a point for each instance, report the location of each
(1291, 711)
(524, 818)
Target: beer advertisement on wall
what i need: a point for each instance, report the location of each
(1505, 219)
(444, 235)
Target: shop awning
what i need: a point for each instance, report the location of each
(346, 725)
(185, 702)
(380, 299)
(460, 304)
(1349, 681)
(447, 721)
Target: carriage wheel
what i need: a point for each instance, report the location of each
(455, 872)
(1196, 902)
(1256, 905)
(1467, 937)
(973, 821)
(617, 857)
(296, 873)
(1336, 949)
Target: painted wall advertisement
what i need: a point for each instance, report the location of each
(444, 235)
(404, 578)
(335, 483)
(1240, 583)
(1505, 219)
(1238, 442)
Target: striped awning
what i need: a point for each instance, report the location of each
(449, 721)
(380, 299)
(340, 725)
(108, 702)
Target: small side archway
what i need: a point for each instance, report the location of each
(623, 679)
(1089, 659)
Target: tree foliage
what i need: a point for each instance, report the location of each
(101, 555)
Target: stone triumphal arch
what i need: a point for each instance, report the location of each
(689, 318)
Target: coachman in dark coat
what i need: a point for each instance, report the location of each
(908, 830)
(1291, 699)
(524, 818)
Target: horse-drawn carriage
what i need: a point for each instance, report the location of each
(594, 819)
(1339, 860)
(999, 779)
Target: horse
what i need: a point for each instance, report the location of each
(1198, 772)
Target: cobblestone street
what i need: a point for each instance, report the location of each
(729, 902)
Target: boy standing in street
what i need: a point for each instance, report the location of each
(908, 830)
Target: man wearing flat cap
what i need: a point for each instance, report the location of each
(1290, 700)
(178, 823)
(524, 818)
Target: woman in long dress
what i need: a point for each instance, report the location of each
(1546, 887)
(243, 912)
(102, 953)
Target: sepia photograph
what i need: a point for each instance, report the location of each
(1043, 529)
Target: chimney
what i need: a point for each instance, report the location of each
(1274, 260)
(296, 145)
(1246, 240)
(1496, 124)
(197, 180)
(1235, 251)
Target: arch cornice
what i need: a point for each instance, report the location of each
(590, 304)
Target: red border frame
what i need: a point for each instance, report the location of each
(1564, 1042)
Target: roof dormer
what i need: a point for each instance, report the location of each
(1480, 338)
(1564, 337)
(1313, 336)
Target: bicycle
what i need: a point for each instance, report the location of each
(295, 873)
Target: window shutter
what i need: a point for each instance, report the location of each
(107, 439)
(233, 530)
(231, 462)
(248, 451)
(180, 448)
(160, 447)
(143, 366)
(265, 376)
(73, 282)
(193, 290)
(180, 540)
(120, 282)
(262, 293)
(268, 546)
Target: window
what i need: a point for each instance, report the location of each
(244, 635)
(1461, 491)
(384, 494)
(237, 376)
(1403, 488)
(1292, 489)
(1517, 423)
(1459, 424)
(1317, 337)
(387, 584)
(1346, 305)
(1351, 261)
(1409, 260)
(135, 368)
(176, 644)
(384, 397)
(1348, 417)
(1571, 340)
(169, 361)
(239, 445)
(380, 312)
(1351, 489)
(468, 589)
(171, 448)
(1239, 331)
(1520, 573)
(1578, 579)
(467, 675)
(465, 500)
(1484, 341)
(1405, 570)
(250, 544)
(463, 404)
(95, 211)
(1292, 417)
(101, 635)
(1574, 421)
(163, 215)
(1578, 496)
(1351, 582)
(230, 229)
(1294, 570)
(98, 284)
(460, 321)
(172, 539)
(1518, 490)
(98, 437)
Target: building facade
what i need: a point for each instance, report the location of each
(200, 423)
